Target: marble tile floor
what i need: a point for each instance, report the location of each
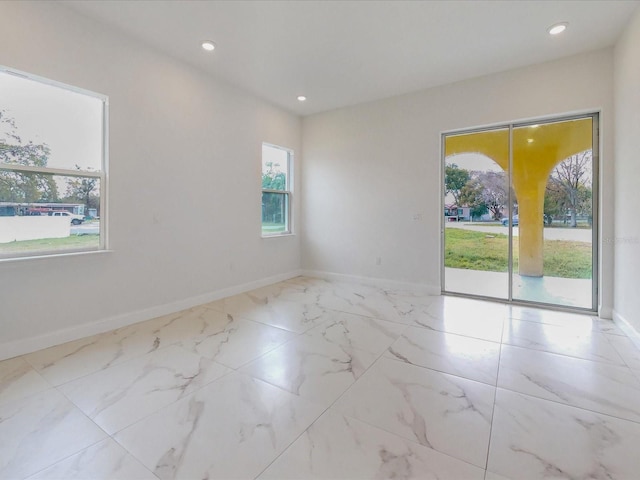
(311, 378)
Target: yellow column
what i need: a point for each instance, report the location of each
(531, 225)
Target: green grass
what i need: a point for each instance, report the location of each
(46, 244)
(489, 252)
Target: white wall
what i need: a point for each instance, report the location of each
(184, 183)
(370, 168)
(15, 229)
(627, 175)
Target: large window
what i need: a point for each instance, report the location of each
(276, 190)
(52, 167)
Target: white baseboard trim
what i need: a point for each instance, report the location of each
(374, 282)
(32, 344)
(626, 327)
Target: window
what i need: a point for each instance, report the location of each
(276, 190)
(52, 167)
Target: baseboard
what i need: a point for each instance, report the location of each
(374, 282)
(626, 327)
(32, 344)
(605, 312)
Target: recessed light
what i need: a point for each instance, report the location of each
(557, 28)
(529, 140)
(301, 98)
(208, 45)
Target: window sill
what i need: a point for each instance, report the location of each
(54, 255)
(278, 235)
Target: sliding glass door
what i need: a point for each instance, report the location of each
(519, 212)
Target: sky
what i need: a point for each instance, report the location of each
(473, 161)
(277, 156)
(70, 123)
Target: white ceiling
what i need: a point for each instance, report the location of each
(340, 53)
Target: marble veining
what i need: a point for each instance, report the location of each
(583, 445)
(104, 460)
(339, 447)
(600, 387)
(72, 360)
(628, 350)
(449, 414)
(19, 380)
(41, 430)
(312, 367)
(455, 354)
(235, 341)
(121, 395)
(355, 331)
(471, 318)
(233, 428)
(296, 316)
(313, 378)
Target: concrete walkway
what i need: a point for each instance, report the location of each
(570, 292)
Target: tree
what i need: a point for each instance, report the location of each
(272, 203)
(80, 189)
(585, 202)
(570, 183)
(494, 194)
(18, 186)
(273, 179)
(555, 200)
(471, 196)
(455, 179)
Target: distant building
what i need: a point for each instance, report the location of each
(11, 209)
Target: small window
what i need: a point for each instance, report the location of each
(276, 190)
(52, 167)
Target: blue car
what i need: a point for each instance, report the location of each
(505, 221)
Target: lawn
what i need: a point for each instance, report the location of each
(47, 244)
(489, 252)
(268, 228)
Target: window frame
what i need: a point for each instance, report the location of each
(101, 175)
(288, 192)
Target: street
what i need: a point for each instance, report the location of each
(569, 234)
(92, 228)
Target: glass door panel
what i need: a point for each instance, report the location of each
(476, 199)
(553, 178)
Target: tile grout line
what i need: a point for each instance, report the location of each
(299, 335)
(622, 357)
(495, 396)
(595, 412)
(326, 409)
(569, 357)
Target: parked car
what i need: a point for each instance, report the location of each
(546, 219)
(75, 219)
(505, 221)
